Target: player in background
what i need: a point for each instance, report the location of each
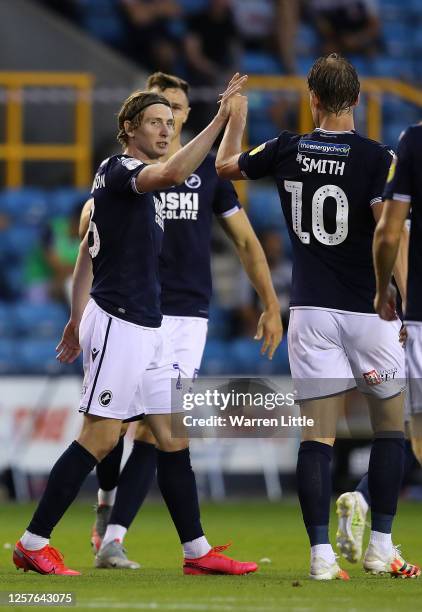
(330, 184)
(129, 363)
(186, 289)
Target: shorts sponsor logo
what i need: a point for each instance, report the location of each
(105, 398)
(94, 354)
(323, 148)
(372, 378)
(193, 181)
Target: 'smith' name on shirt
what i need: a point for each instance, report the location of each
(243, 421)
(321, 166)
(184, 205)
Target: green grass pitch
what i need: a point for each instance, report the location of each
(258, 530)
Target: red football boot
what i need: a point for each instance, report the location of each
(216, 563)
(47, 560)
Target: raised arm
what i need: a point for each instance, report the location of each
(227, 161)
(181, 165)
(253, 259)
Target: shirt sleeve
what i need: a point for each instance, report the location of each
(225, 202)
(260, 162)
(399, 181)
(380, 176)
(122, 173)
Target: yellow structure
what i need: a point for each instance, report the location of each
(15, 151)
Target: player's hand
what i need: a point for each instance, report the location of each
(270, 328)
(403, 335)
(239, 108)
(68, 348)
(234, 87)
(386, 305)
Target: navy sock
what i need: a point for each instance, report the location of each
(409, 462)
(108, 469)
(134, 483)
(363, 487)
(314, 488)
(64, 482)
(385, 475)
(178, 487)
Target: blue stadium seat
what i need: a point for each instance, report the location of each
(7, 320)
(37, 357)
(392, 9)
(62, 202)
(219, 321)
(264, 208)
(217, 358)
(41, 320)
(26, 206)
(397, 37)
(246, 356)
(253, 62)
(397, 110)
(304, 64)
(384, 66)
(193, 6)
(391, 133)
(306, 41)
(18, 240)
(8, 362)
(102, 19)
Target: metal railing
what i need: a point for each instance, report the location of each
(15, 151)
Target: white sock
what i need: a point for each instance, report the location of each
(196, 548)
(381, 540)
(362, 502)
(30, 541)
(114, 532)
(323, 551)
(106, 498)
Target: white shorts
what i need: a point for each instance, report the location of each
(413, 352)
(129, 370)
(188, 336)
(331, 352)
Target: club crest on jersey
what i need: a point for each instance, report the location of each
(130, 163)
(323, 148)
(193, 181)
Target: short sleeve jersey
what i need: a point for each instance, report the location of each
(327, 182)
(185, 268)
(125, 236)
(404, 184)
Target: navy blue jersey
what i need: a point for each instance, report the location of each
(327, 182)
(125, 236)
(185, 258)
(404, 184)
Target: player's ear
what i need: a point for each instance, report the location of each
(128, 128)
(357, 102)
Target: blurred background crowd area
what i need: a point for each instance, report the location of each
(203, 41)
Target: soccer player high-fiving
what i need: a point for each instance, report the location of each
(331, 184)
(129, 363)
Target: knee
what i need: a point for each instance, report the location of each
(172, 445)
(144, 433)
(99, 447)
